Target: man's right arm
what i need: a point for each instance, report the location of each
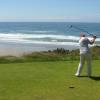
(93, 40)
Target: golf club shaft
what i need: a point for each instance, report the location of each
(81, 30)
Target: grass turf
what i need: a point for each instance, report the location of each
(48, 81)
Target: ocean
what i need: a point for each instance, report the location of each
(46, 35)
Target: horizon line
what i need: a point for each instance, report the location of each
(49, 21)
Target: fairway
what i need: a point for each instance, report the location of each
(48, 81)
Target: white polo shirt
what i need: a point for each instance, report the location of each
(83, 42)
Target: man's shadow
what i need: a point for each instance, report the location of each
(96, 78)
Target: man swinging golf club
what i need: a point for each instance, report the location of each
(85, 54)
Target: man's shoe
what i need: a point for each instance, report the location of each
(77, 75)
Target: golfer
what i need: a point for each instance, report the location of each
(85, 54)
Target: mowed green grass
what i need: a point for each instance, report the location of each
(48, 81)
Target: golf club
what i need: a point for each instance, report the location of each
(75, 27)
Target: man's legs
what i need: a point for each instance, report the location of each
(80, 66)
(88, 64)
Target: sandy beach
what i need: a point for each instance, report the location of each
(19, 49)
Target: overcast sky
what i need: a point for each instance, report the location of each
(50, 10)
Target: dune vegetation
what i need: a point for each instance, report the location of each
(59, 54)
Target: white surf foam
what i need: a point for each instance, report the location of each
(41, 38)
(25, 36)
